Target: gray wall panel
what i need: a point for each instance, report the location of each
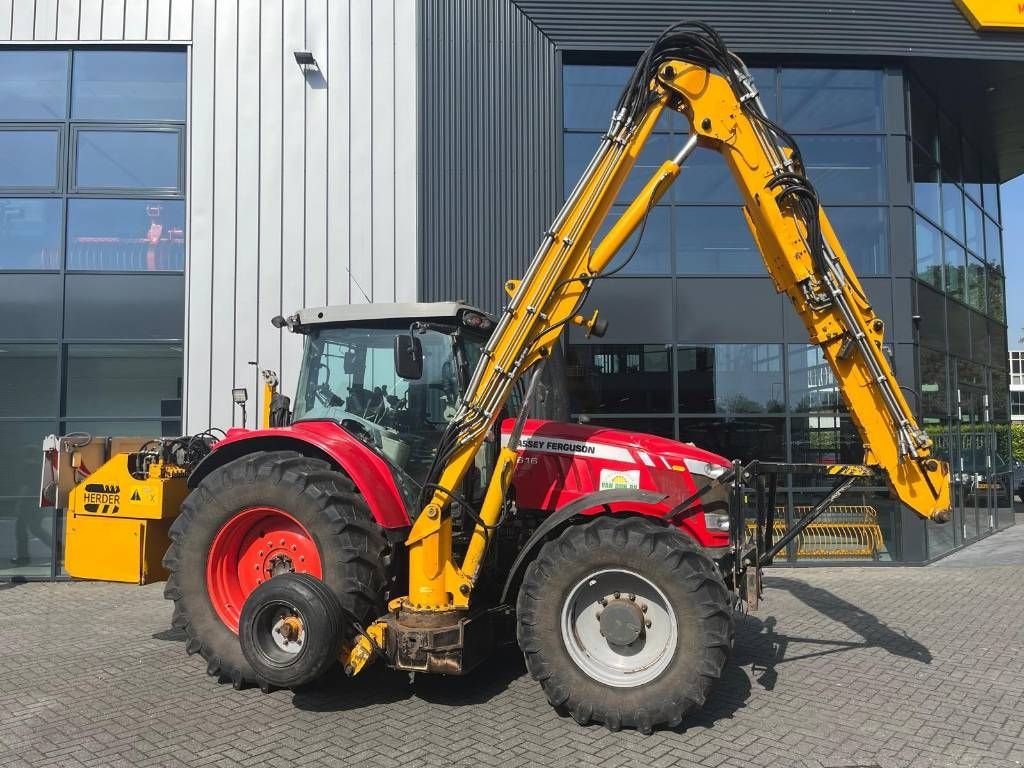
(490, 131)
(904, 28)
(135, 19)
(6, 12)
(158, 20)
(45, 20)
(93, 20)
(112, 26)
(67, 19)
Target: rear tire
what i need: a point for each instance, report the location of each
(603, 662)
(324, 504)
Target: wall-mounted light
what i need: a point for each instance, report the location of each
(306, 61)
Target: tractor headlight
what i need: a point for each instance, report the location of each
(716, 521)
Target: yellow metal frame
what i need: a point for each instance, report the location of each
(549, 298)
(856, 533)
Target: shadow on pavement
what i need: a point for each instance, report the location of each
(10, 584)
(760, 646)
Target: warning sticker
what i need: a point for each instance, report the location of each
(614, 479)
(143, 494)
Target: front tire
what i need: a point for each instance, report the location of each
(624, 622)
(265, 514)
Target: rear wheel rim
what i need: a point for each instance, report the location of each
(253, 546)
(630, 650)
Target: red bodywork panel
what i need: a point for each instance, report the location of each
(558, 464)
(368, 471)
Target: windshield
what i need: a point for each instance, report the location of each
(348, 375)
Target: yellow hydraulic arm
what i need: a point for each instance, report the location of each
(688, 69)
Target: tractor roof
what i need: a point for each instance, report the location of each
(361, 313)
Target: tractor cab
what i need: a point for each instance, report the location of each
(390, 374)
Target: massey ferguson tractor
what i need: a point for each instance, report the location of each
(409, 511)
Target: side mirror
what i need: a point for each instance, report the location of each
(408, 357)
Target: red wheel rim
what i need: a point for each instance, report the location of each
(253, 546)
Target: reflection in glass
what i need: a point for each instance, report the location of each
(845, 169)
(653, 256)
(836, 100)
(934, 389)
(926, 185)
(127, 160)
(812, 385)
(949, 150)
(863, 233)
(976, 284)
(956, 268)
(590, 94)
(737, 437)
(990, 193)
(993, 243)
(128, 85)
(128, 235)
(972, 172)
(928, 250)
(125, 427)
(663, 427)
(122, 380)
(953, 210)
(579, 148)
(730, 378)
(28, 159)
(996, 292)
(974, 229)
(619, 378)
(28, 380)
(26, 531)
(29, 233)
(33, 85)
(712, 240)
(707, 179)
(825, 439)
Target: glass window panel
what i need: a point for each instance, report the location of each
(928, 249)
(924, 119)
(122, 380)
(858, 527)
(21, 453)
(663, 427)
(28, 380)
(28, 159)
(993, 244)
(840, 100)
(29, 233)
(130, 235)
(950, 157)
(127, 160)
(706, 179)
(996, 290)
(969, 373)
(619, 378)
(825, 439)
(845, 169)
(974, 228)
(976, 284)
(990, 193)
(955, 268)
(979, 338)
(934, 388)
(1017, 403)
(972, 172)
(926, 185)
(33, 85)
(730, 378)
(653, 255)
(765, 81)
(128, 85)
(125, 427)
(714, 241)
(812, 385)
(744, 438)
(953, 210)
(864, 233)
(580, 147)
(26, 538)
(590, 94)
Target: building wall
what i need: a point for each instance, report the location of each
(301, 186)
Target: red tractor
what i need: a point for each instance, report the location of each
(609, 597)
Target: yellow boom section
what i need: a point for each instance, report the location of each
(822, 285)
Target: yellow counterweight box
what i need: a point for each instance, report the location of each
(117, 524)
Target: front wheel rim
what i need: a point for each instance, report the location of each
(619, 628)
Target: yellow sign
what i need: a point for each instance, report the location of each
(993, 14)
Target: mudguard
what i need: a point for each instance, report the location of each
(325, 440)
(594, 502)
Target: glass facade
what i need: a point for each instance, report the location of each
(762, 391)
(92, 255)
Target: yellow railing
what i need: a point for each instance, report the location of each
(843, 530)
